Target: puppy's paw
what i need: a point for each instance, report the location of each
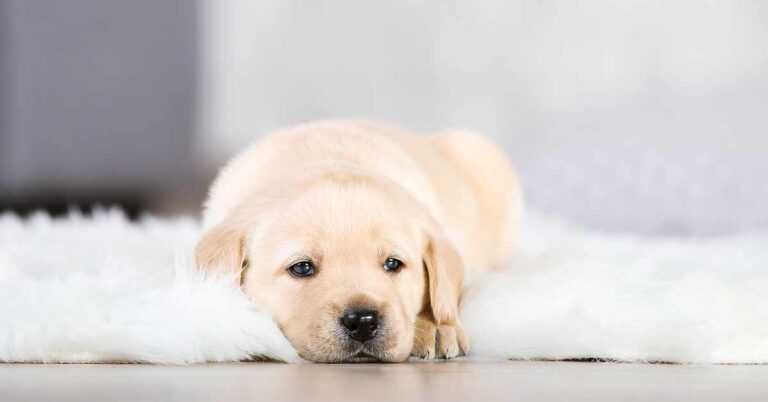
(424, 342)
(439, 341)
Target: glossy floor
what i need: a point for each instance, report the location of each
(438, 381)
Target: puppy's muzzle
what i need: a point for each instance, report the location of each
(361, 324)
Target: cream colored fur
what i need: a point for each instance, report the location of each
(346, 195)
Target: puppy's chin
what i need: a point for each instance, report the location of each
(356, 353)
(353, 352)
(362, 356)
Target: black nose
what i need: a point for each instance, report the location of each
(361, 324)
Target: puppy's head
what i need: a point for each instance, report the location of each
(344, 265)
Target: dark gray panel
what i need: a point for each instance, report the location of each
(5, 53)
(102, 94)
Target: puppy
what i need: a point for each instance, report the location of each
(357, 236)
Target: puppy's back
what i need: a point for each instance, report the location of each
(295, 153)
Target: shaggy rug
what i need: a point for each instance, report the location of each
(103, 289)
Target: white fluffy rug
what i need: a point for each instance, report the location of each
(103, 289)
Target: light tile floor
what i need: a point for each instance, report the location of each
(419, 381)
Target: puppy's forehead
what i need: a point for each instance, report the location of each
(342, 208)
(328, 217)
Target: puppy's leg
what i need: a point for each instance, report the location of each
(438, 341)
(497, 188)
(452, 341)
(424, 342)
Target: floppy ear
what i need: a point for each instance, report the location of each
(220, 250)
(445, 271)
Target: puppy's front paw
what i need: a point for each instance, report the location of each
(439, 341)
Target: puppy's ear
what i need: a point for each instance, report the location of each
(221, 250)
(445, 271)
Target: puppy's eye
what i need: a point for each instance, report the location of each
(302, 268)
(392, 265)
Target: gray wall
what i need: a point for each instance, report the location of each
(641, 116)
(96, 97)
(647, 116)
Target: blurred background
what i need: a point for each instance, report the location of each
(642, 116)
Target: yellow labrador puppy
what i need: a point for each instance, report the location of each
(358, 237)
